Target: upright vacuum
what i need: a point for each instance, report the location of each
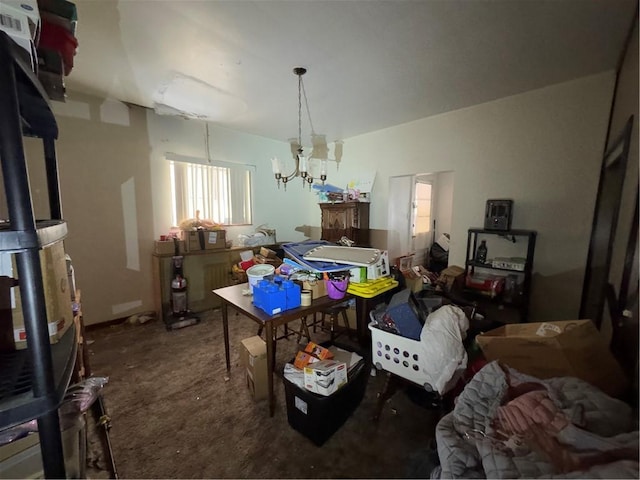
(180, 315)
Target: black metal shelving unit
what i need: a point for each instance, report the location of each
(32, 381)
(519, 304)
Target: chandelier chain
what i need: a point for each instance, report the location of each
(306, 103)
(300, 86)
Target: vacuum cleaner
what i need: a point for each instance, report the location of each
(180, 315)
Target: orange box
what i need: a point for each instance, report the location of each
(303, 359)
(318, 351)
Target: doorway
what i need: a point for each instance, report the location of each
(419, 212)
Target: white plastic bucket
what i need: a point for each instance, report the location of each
(258, 272)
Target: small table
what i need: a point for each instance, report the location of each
(244, 304)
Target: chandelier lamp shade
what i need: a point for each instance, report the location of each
(319, 151)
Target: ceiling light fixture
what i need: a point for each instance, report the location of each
(319, 150)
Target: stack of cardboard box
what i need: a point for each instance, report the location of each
(201, 239)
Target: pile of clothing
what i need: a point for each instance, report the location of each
(506, 424)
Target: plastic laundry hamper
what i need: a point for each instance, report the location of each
(399, 355)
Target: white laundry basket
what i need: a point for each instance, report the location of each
(399, 355)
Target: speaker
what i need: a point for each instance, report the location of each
(497, 214)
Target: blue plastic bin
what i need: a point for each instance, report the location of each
(276, 296)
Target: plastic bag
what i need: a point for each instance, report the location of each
(77, 400)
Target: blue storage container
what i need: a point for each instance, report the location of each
(276, 296)
(292, 294)
(269, 297)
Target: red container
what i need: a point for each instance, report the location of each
(490, 285)
(56, 37)
(247, 264)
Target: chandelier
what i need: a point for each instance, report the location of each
(319, 151)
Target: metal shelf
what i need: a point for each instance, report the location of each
(32, 381)
(521, 302)
(17, 403)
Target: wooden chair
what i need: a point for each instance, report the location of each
(334, 314)
(302, 331)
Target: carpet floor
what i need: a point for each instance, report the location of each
(174, 415)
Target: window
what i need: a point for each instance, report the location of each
(422, 208)
(220, 191)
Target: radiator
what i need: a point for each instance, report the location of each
(202, 278)
(216, 276)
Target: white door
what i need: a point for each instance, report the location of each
(400, 236)
(399, 215)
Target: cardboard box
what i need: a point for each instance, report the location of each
(318, 288)
(413, 283)
(261, 259)
(267, 252)
(556, 349)
(15, 23)
(358, 275)
(404, 262)
(381, 268)
(168, 247)
(195, 240)
(31, 10)
(452, 276)
(412, 279)
(325, 377)
(56, 293)
(254, 360)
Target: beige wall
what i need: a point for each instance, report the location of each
(105, 183)
(542, 149)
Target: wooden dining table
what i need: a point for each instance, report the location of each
(235, 296)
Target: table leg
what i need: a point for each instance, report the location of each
(225, 328)
(270, 366)
(362, 320)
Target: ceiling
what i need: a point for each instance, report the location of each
(371, 64)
